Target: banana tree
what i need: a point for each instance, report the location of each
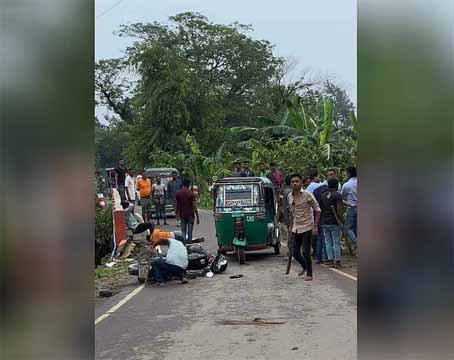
(297, 125)
(201, 168)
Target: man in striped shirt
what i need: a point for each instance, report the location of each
(302, 223)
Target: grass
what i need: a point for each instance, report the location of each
(102, 271)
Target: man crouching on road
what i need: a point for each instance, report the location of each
(302, 226)
(175, 263)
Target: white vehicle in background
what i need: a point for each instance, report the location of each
(166, 175)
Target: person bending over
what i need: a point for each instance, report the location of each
(173, 265)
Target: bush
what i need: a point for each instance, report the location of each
(205, 201)
(103, 233)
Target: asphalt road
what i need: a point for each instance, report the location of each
(314, 320)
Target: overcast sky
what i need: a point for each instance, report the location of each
(320, 35)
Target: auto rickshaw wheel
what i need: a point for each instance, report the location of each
(277, 247)
(241, 255)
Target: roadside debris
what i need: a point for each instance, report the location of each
(236, 276)
(105, 293)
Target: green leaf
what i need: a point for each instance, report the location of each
(298, 119)
(219, 153)
(284, 120)
(242, 129)
(327, 122)
(265, 121)
(326, 150)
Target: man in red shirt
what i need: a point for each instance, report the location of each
(276, 177)
(186, 210)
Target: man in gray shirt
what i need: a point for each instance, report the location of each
(158, 191)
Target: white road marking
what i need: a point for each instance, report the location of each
(119, 304)
(351, 277)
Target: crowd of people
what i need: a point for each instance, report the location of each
(152, 192)
(315, 213)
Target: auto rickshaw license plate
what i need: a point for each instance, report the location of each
(250, 218)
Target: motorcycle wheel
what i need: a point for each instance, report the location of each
(241, 255)
(143, 273)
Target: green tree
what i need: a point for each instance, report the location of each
(195, 77)
(112, 87)
(110, 144)
(181, 87)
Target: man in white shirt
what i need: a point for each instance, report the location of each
(130, 186)
(174, 264)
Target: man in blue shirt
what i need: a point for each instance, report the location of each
(174, 264)
(349, 194)
(315, 182)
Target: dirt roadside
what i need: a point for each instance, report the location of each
(113, 279)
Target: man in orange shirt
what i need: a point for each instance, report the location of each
(144, 188)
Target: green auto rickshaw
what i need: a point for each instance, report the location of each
(245, 214)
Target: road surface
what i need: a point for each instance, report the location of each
(312, 320)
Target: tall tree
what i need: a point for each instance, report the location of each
(113, 87)
(196, 76)
(110, 144)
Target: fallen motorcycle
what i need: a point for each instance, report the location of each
(200, 262)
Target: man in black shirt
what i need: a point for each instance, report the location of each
(320, 250)
(120, 177)
(173, 186)
(330, 219)
(236, 169)
(247, 172)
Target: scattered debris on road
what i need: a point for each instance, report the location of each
(105, 293)
(236, 276)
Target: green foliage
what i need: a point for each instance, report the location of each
(112, 87)
(207, 94)
(193, 76)
(110, 144)
(102, 272)
(205, 201)
(103, 233)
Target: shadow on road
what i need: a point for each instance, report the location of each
(254, 256)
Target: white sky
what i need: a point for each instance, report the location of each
(320, 35)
